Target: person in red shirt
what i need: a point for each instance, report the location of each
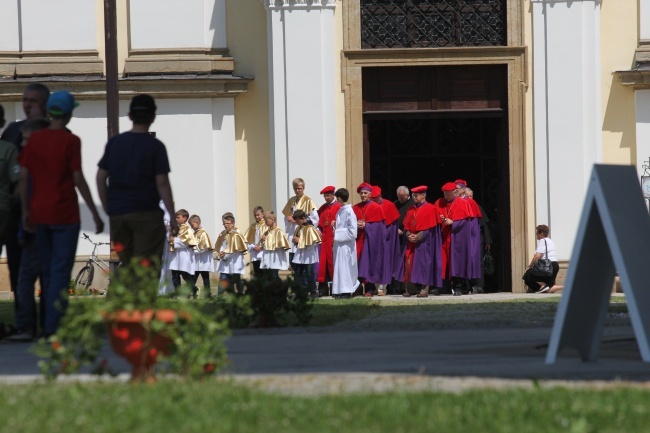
(326, 219)
(52, 159)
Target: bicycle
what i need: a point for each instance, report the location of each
(85, 276)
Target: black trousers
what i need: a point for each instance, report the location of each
(531, 280)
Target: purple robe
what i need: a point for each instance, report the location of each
(427, 264)
(463, 249)
(391, 254)
(372, 254)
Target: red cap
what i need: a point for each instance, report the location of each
(375, 192)
(328, 190)
(449, 186)
(364, 185)
(461, 182)
(421, 188)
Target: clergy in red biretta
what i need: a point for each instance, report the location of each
(477, 249)
(392, 250)
(421, 264)
(370, 238)
(326, 219)
(457, 220)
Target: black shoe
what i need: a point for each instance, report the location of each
(457, 293)
(435, 292)
(476, 290)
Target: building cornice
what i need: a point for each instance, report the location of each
(299, 4)
(159, 86)
(639, 77)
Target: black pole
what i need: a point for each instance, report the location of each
(112, 89)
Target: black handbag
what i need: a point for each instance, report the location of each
(488, 263)
(542, 267)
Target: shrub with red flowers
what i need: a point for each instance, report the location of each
(197, 348)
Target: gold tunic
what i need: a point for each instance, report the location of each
(304, 204)
(275, 238)
(308, 235)
(250, 233)
(186, 235)
(235, 242)
(203, 240)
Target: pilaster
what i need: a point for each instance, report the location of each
(302, 95)
(567, 110)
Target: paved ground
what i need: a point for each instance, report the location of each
(406, 351)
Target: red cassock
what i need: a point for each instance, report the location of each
(326, 217)
(457, 210)
(370, 212)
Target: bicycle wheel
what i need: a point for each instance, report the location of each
(85, 277)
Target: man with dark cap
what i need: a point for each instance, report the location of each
(392, 252)
(132, 179)
(370, 239)
(421, 264)
(459, 261)
(326, 219)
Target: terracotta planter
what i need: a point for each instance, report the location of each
(131, 339)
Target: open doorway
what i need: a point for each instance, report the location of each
(430, 145)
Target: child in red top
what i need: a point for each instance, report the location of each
(52, 159)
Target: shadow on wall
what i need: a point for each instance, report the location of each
(619, 114)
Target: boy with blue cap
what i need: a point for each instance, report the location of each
(52, 159)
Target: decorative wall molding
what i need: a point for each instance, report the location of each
(26, 64)
(93, 88)
(178, 61)
(299, 4)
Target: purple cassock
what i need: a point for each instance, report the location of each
(372, 254)
(392, 254)
(465, 249)
(427, 265)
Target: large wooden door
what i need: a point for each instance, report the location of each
(431, 125)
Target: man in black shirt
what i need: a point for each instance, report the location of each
(403, 203)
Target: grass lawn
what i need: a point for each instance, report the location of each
(440, 314)
(218, 406)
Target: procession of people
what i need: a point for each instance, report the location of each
(375, 247)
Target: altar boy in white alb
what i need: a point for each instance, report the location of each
(203, 261)
(252, 236)
(276, 244)
(307, 239)
(181, 259)
(231, 247)
(345, 280)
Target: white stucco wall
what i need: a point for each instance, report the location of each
(199, 137)
(57, 25)
(302, 98)
(174, 24)
(642, 108)
(9, 23)
(644, 20)
(567, 110)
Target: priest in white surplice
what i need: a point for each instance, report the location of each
(345, 280)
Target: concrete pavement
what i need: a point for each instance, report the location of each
(347, 353)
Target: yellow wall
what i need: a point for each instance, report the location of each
(247, 42)
(619, 38)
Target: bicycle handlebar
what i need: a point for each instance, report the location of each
(85, 236)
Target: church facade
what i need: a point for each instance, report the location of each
(518, 97)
